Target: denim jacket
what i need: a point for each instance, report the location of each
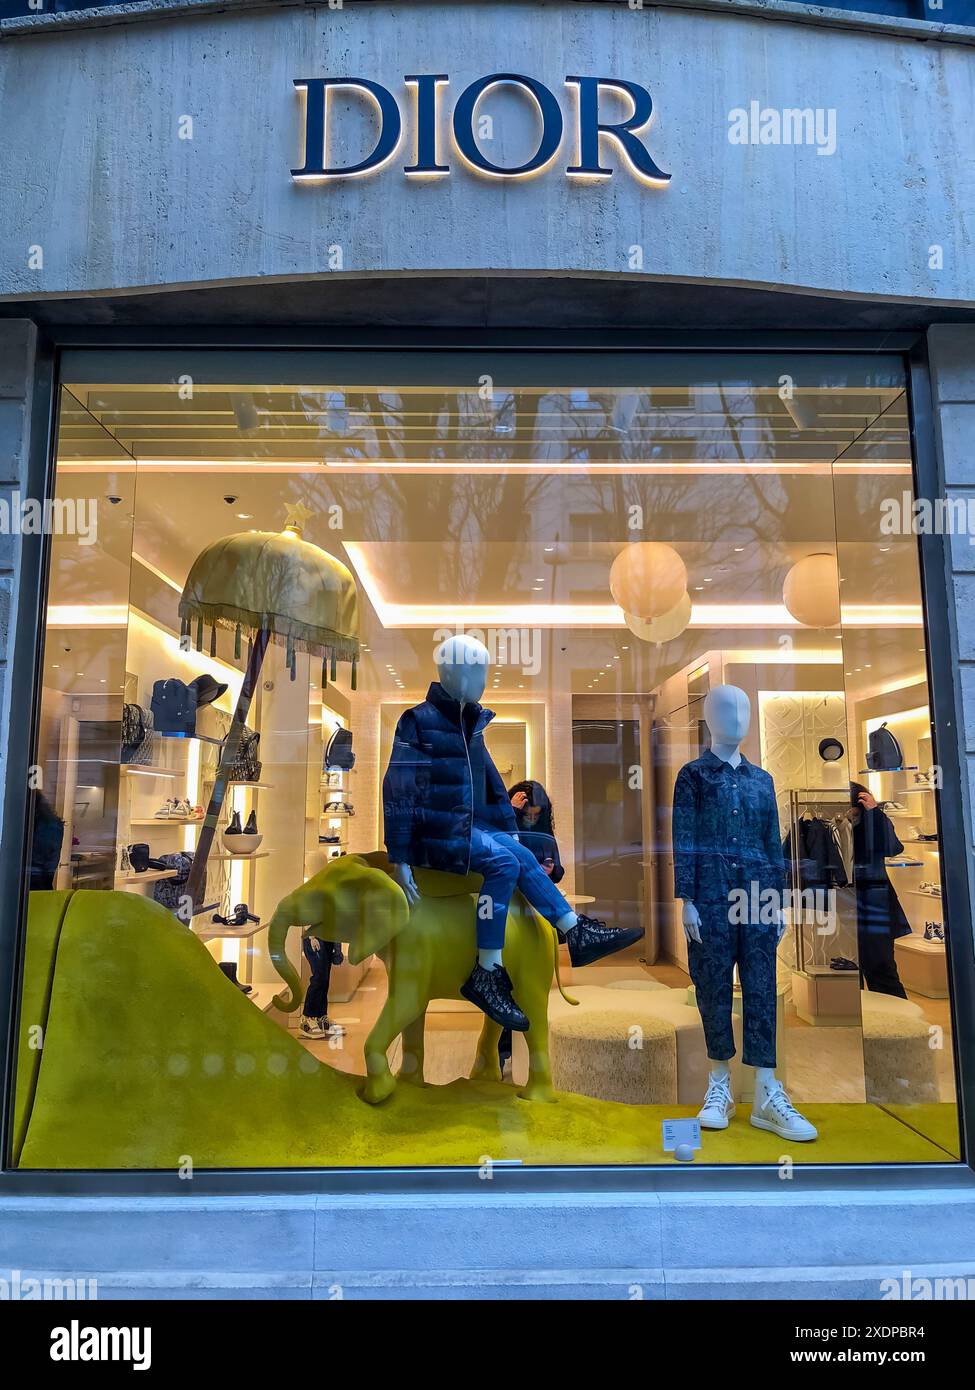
(725, 830)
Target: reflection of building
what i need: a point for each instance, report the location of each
(474, 476)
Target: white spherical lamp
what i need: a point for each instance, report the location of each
(647, 579)
(666, 627)
(811, 591)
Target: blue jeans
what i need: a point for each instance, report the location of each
(316, 996)
(506, 865)
(711, 963)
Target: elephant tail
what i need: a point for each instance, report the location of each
(277, 936)
(558, 978)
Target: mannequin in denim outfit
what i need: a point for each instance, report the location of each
(727, 713)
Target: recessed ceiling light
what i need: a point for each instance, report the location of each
(709, 581)
(626, 649)
(699, 588)
(739, 549)
(56, 666)
(549, 548)
(245, 516)
(884, 549)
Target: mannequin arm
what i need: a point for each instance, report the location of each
(691, 919)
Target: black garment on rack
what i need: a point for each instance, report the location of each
(880, 917)
(820, 862)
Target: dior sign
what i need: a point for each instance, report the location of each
(592, 135)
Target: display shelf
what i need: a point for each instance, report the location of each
(258, 786)
(217, 932)
(168, 820)
(127, 770)
(887, 771)
(262, 996)
(150, 876)
(255, 854)
(904, 864)
(190, 738)
(915, 942)
(930, 897)
(901, 815)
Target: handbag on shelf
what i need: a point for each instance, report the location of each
(246, 767)
(137, 735)
(339, 756)
(174, 707)
(884, 753)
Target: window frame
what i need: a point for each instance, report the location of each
(59, 348)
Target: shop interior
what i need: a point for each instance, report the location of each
(499, 510)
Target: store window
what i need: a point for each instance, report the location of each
(389, 699)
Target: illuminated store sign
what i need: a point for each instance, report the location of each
(623, 137)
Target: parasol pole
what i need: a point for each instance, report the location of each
(196, 882)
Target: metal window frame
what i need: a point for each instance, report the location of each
(26, 668)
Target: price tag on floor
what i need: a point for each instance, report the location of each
(681, 1132)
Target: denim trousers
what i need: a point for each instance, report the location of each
(316, 996)
(506, 865)
(723, 945)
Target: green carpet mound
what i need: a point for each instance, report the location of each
(152, 1058)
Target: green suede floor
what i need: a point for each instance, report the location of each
(939, 1123)
(152, 1058)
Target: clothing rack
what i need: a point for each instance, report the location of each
(807, 799)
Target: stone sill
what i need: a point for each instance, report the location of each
(788, 10)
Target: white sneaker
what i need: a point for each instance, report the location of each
(320, 1028)
(719, 1104)
(777, 1113)
(312, 1027)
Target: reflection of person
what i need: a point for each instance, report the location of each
(46, 842)
(321, 956)
(880, 917)
(536, 825)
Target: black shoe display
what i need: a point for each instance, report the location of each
(590, 939)
(251, 827)
(490, 990)
(234, 827)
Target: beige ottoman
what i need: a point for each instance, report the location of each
(636, 1005)
(609, 1056)
(898, 1062)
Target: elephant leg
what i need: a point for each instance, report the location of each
(487, 1065)
(532, 993)
(380, 1081)
(411, 1068)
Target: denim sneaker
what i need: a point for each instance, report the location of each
(490, 990)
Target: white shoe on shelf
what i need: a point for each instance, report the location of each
(719, 1103)
(772, 1109)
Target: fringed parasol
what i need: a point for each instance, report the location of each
(266, 586)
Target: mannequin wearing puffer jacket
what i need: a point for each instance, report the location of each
(445, 807)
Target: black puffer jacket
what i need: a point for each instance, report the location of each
(433, 787)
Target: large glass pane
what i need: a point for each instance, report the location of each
(677, 598)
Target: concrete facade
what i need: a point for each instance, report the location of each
(96, 120)
(96, 176)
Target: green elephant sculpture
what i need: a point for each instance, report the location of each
(427, 954)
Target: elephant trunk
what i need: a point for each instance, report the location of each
(277, 938)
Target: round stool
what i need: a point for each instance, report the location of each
(613, 1056)
(898, 1062)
